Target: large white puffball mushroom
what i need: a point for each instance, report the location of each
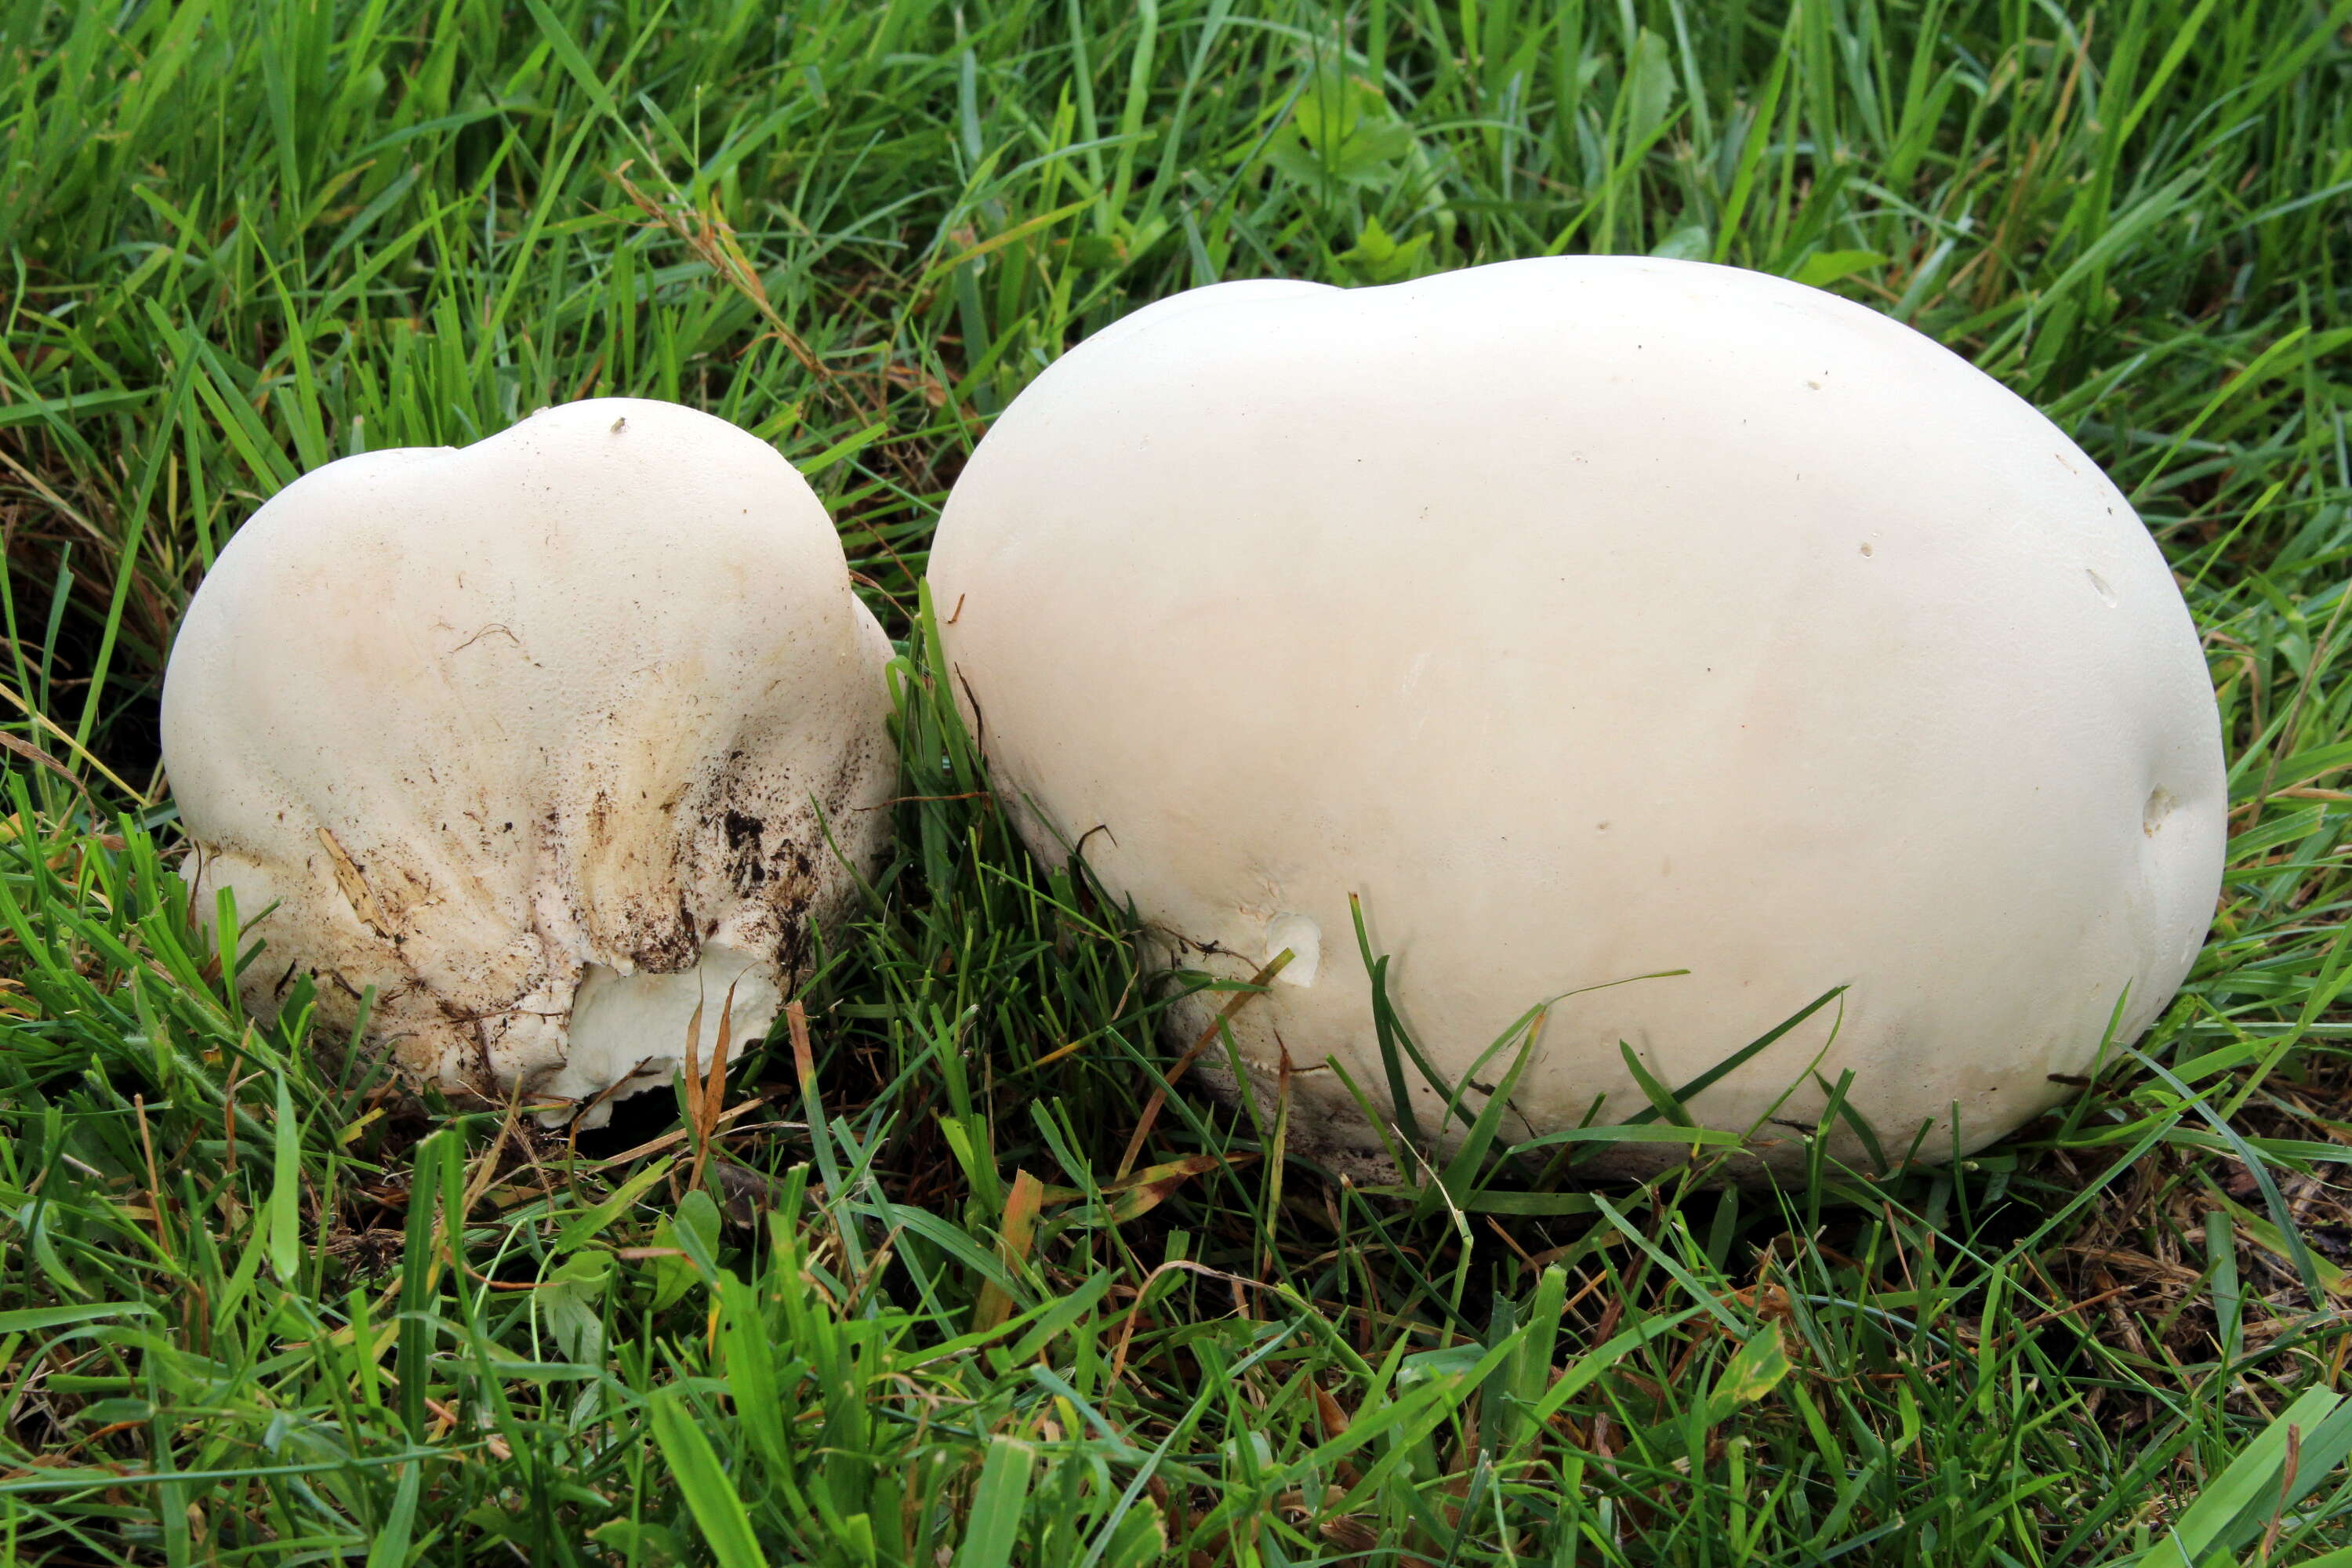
(1590, 618)
(541, 738)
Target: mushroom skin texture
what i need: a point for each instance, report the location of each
(539, 738)
(1592, 619)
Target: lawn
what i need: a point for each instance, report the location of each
(884, 1303)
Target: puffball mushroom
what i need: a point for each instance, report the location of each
(542, 739)
(1592, 618)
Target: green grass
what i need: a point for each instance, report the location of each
(257, 1308)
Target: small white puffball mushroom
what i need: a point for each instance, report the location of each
(541, 738)
(1590, 618)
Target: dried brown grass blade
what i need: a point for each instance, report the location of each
(707, 1092)
(693, 1095)
(1023, 1204)
(804, 1057)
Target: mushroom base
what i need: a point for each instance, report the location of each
(1336, 1135)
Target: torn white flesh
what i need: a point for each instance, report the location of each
(633, 1032)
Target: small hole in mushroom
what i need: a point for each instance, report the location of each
(1867, 551)
(2160, 805)
(2099, 587)
(1304, 939)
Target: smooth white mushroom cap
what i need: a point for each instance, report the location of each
(1590, 618)
(540, 738)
